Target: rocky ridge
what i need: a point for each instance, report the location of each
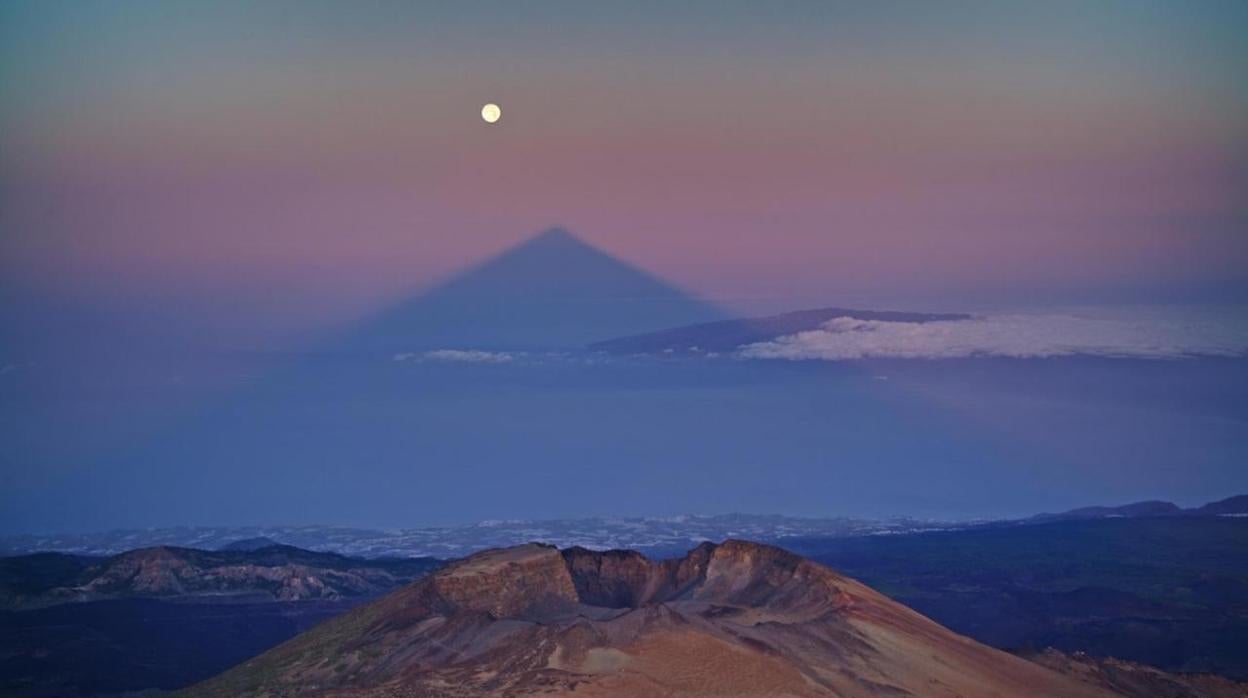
(275, 572)
(736, 618)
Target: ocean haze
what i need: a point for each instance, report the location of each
(479, 400)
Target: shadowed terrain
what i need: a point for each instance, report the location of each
(272, 572)
(1170, 591)
(162, 618)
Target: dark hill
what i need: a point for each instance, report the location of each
(728, 335)
(1136, 509)
(276, 572)
(1231, 506)
(248, 544)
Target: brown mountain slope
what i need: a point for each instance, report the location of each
(737, 619)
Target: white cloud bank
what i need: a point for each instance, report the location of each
(472, 356)
(1016, 336)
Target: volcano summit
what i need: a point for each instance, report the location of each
(735, 619)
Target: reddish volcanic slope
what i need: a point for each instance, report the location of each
(736, 619)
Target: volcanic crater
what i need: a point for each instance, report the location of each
(730, 619)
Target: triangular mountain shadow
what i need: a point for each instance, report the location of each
(553, 291)
(342, 427)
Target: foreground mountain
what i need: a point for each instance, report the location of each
(737, 618)
(1167, 592)
(273, 572)
(726, 336)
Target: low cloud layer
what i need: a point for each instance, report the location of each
(473, 356)
(1016, 336)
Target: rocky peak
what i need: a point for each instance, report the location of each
(534, 577)
(508, 581)
(736, 618)
(158, 570)
(742, 573)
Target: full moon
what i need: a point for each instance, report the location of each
(491, 113)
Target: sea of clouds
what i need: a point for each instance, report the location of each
(1145, 332)
(1148, 335)
(470, 356)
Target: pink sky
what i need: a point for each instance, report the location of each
(778, 163)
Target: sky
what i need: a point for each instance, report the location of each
(293, 165)
(200, 203)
